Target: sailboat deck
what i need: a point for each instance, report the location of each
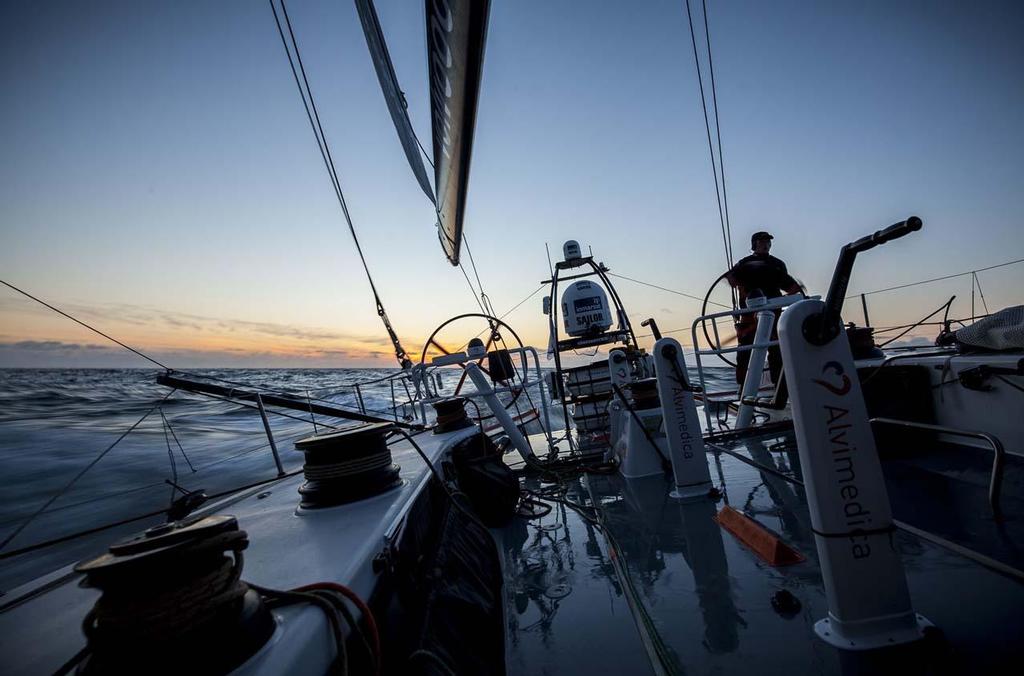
(636, 582)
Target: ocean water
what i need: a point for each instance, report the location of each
(55, 422)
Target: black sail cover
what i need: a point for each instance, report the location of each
(393, 95)
(456, 33)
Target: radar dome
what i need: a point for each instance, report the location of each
(585, 309)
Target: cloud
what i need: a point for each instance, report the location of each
(141, 315)
(53, 346)
(186, 340)
(60, 354)
(333, 353)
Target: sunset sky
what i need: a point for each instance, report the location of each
(159, 179)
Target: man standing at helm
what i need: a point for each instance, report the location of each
(759, 274)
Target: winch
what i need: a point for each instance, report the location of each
(173, 602)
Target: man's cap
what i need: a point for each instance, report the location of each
(759, 235)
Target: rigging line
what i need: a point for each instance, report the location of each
(885, 329)
(79, 321)
(168, 423)
(488, 306)
(516, 306)
(944, 306)
(273, 411)
(473, 263)
(936, 279)
(170, 456)
(718, 135)
(416, 136)
(662, 288)
(142, 487)
(325, 153)
(507, 313)
(471, 289)
(123, 522)
(980, 292)
(707, 127)
(80, 474)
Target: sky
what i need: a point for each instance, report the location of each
(159, 180)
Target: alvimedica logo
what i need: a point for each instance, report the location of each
(680, 404)
(838, 424)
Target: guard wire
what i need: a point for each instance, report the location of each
(936, 279)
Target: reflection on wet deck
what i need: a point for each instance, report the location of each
(703, 603)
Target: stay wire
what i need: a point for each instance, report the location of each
(718, 135)
(133, 350)
(81, 473)
(472, 290)
(133, 519)
(325, 153)
(517, 305)
(944, 306)
(175, 436)
(980, 292)
(488, 308)
(91, 328)
(707, 127)
(174, 465)
(149, 486)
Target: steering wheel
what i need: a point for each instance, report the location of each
(704, 325)
(493, 329)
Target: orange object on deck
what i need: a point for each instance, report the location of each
(762, 541)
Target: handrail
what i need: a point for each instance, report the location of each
(526, 383)
(773, 304)
(996, 479)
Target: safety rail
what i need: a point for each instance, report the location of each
(773, 304)
(996, 478)
(521, 387)
(427, 386)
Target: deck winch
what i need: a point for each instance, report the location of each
(346, 466)
(173, 601)
(451, 415)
